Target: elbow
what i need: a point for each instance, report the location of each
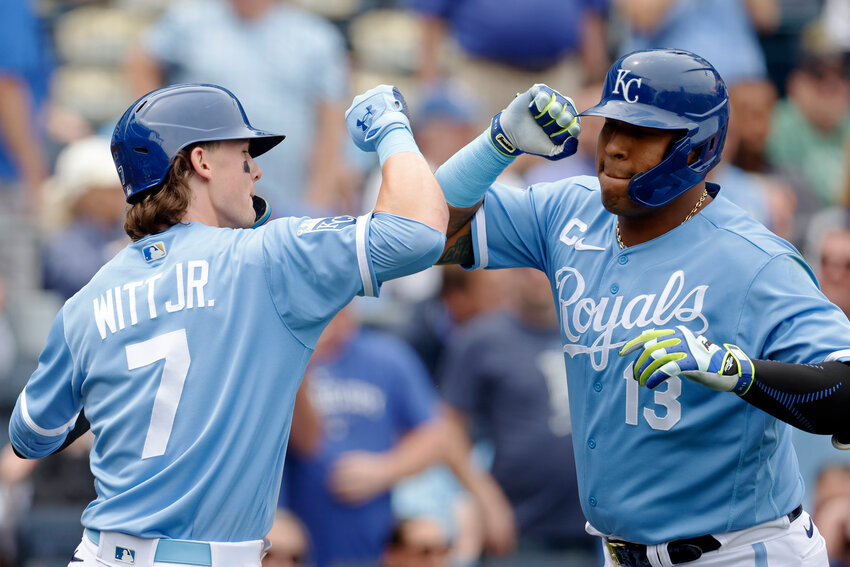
(422, 251)
(429, 247)
(402, 246)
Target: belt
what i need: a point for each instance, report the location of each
(173, 550)
(628, 554)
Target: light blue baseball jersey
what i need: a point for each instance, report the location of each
(681, 460)
(186, 351)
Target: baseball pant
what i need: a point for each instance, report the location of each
(778, 543)
(119, 550)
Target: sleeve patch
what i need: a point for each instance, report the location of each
(329, 223)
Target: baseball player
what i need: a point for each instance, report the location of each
(186, 350)
(645, 261)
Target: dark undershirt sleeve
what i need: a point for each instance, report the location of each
(811, 397)
(80, 427)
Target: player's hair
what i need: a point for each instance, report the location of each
(163, 207)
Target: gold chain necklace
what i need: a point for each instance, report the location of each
(687, 218)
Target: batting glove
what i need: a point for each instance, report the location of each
(670, 352)
(540, 121)
(374, 113)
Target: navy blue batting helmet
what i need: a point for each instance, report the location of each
(161, 123)
(669, 89)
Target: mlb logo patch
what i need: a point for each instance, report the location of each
(154, 251)
(125, 555)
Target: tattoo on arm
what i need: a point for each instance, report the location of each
(458, 248)
(459, 251)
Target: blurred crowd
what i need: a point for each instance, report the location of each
(433, 425)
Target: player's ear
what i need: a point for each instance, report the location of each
(199, 158)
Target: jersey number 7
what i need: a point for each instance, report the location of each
(174, 349)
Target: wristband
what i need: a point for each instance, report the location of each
(500, 140)
(395, 141)
(744, 370)
(467, 175)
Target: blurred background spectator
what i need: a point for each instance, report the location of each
(811, 125)
(744, 175)
(25, 67)
(832, 512)
(285, 64)
(38, 503)
(379, 424)
(290, 543)
(417, 542)
(8, 347)
(463, 294)
(501, 48)
(503, 377)
(828, 252)
(83, 216)
(694, 25)
(69, 67)
(836, 23)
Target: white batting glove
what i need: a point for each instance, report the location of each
(540, 121)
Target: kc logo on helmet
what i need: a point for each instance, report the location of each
(621, 76)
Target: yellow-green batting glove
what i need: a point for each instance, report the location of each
(670, 352)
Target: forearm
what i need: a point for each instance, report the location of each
(323, 185)
(417, 450)
(466, 176)
(458, 456)
(18, 133)
(811, 397)
(408, 188)
(464, 179)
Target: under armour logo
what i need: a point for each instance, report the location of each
(621, 75)
(361, 123)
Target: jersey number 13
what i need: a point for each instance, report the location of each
(666, 395)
